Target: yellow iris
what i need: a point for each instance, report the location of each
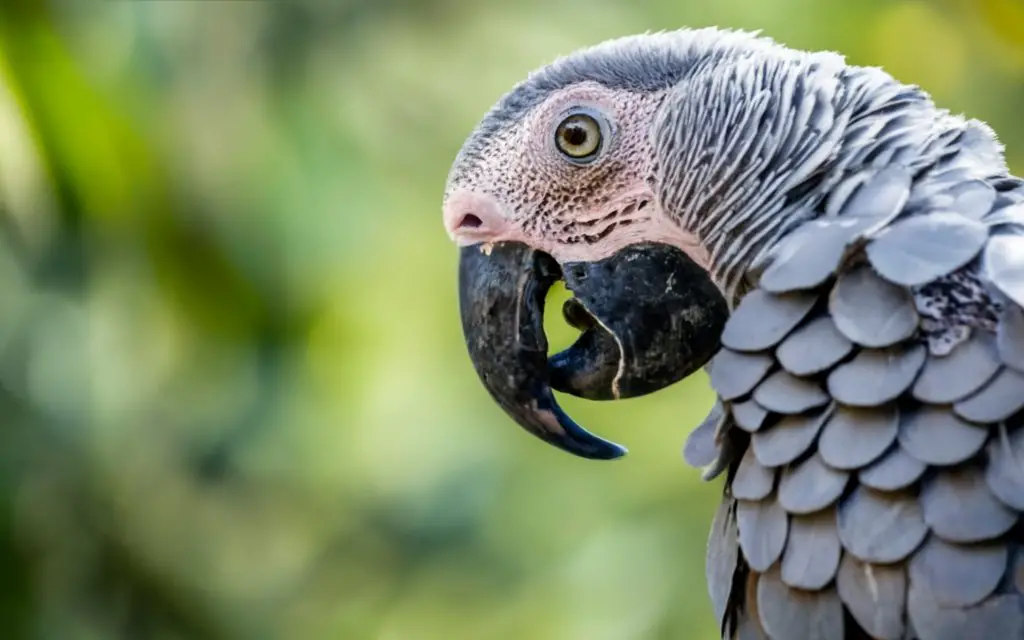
(578, 136)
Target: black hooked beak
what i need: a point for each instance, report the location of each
(649, 317)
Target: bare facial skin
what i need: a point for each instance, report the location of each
(523, 187)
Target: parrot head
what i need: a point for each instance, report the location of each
(559, 181)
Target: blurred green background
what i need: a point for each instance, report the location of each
(235, 398)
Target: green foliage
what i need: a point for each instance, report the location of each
(235, 396)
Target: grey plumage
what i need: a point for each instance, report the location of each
(842, 209)
(931, 505)
(641, 64)
(870, 381)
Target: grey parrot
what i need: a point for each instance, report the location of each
(843, 257)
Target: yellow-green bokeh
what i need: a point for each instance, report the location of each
(237, 402)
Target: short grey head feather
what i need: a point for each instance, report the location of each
(751, 147)
(643, 63)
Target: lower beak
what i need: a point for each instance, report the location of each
(649, 317)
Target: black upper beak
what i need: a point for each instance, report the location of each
(650, 317)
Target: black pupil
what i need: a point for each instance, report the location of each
(575, 134)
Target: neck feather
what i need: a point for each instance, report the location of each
(749, 148)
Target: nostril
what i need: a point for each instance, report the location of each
(470, 218)
(470, 221)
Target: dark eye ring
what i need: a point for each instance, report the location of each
(579, 136)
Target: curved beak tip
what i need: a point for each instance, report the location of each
(569, 436)
(639, 331)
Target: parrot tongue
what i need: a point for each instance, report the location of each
(649, 317)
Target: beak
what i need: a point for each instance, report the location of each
(649, 317)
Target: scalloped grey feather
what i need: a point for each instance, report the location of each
(869, 421)
(876, 266)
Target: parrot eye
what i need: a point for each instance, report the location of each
(579, 137)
